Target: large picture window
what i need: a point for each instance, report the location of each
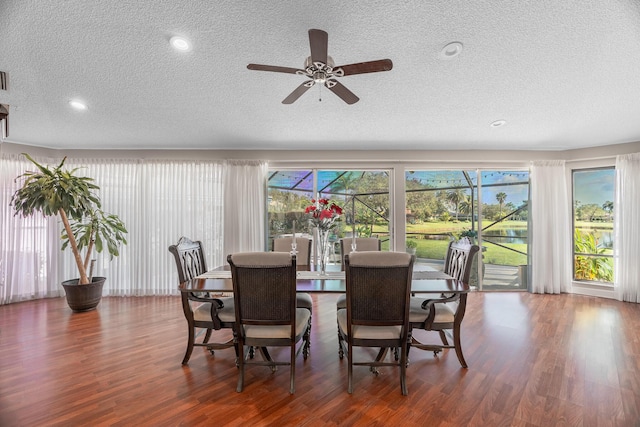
(362, 194)
(593, 211)
(488, 206)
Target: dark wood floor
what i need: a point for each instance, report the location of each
(534, 360)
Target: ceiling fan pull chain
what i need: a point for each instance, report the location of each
(320, 93)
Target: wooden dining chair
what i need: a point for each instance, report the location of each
(445, 314)
(363, 244)
(303, 246)
(203, 312)
(264, 291)
(377, 313)
(283, 244)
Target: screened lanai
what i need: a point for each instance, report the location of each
(488, 206)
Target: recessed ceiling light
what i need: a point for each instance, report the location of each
(451, 50)
(180, 43)
(498, 123)
(78, 105)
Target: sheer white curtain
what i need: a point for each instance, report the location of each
(29, 247)
(551, 228)
(245, 202)
(626, 224)
(159, 201)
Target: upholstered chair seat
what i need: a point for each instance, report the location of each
(202, 313)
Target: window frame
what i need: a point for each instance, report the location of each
(580, 166)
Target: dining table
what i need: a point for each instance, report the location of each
(425, 280)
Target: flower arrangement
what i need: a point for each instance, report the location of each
(323, 212)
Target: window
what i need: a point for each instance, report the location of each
(593, 210)
(488, 206)
(363, 195)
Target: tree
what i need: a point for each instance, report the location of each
(501, 197)
(465, 206)
(455, 197)
(608, 208)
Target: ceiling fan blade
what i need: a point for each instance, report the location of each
(318, 40)
(366, 67)
(297, 93)
(275, 69)
(344, 93)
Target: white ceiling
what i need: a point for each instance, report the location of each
(562, 74)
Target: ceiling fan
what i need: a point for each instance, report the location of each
(320, 69)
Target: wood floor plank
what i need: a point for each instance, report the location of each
(534, 360)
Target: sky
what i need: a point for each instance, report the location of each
(594, 186)
(491, 180)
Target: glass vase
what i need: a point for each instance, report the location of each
(323, 249)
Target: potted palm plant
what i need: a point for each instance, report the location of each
(56, 191)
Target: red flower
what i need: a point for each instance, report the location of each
(323, 213)
(326, 214)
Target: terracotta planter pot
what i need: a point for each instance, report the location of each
(83, 297)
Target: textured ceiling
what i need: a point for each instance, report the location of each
(562, 74)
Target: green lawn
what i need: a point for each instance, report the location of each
(492, 254)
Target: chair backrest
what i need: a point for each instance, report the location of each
(378, 287)
(264, 288)
(303, 257)
(460, 259)
(363, 244)
(189, 257)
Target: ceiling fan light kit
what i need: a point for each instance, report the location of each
(320, 69)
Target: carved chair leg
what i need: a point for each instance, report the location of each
(236, 348)
(292, 370)
(409, 341)
(340, 345)
(403, 372)
(306, 341)
(350, 369)
(207, 336)
(443, 337)
(456, 342)
(241, 369)
(190, 342)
